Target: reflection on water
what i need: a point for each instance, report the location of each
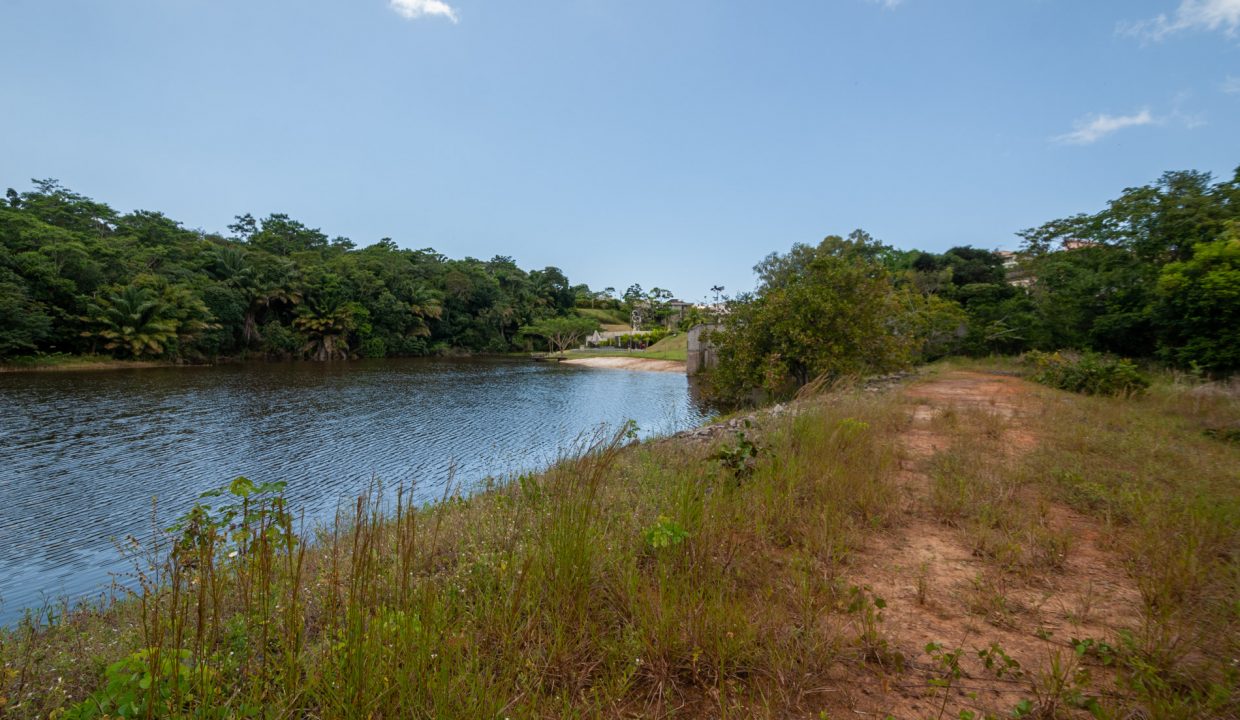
(82, 454)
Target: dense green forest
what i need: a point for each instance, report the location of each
(1154, 275)
(78, 277)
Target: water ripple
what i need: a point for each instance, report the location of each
(83, 455)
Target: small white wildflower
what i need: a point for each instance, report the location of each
(232, 554)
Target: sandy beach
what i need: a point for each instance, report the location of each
(625, 363)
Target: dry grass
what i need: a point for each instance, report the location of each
(653, 581)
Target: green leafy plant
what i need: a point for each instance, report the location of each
(741, 457)
(147, 684)
(666, 532)
(868, 609)
(849, 428)
(997, 661)
(1098, 650)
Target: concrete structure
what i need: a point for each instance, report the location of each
(598, 337)
(700, 354)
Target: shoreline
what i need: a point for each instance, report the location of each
(627, 363)
(605, 362)
(93, 365)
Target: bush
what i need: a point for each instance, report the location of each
(1087, 373)
(279, 340)
(641, 340)
(374, 347)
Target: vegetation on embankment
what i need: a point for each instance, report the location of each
(76, 362)
(719, 579)
(609, 318)
(673, 347)
(1153, 276)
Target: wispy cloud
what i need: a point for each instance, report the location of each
(889, 4)
(1231, 85)
(1190, 120)
(1190, 15)
(414, 9)
(1093, 128)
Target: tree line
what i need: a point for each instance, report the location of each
(78, 277)
(1154, 275)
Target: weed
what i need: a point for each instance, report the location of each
(989, 598)
(868, 608)
(923, 583)
(999, 663)
(950, 672)
(664, 533)
(740, 458)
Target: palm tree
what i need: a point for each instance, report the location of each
(423, 305)
(326, 326)
(261, 291)
(232, 266)
(134, 321)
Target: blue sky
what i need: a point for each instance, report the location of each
(668, 143)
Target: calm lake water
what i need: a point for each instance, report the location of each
(83, 453)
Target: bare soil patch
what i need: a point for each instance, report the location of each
(939, 588)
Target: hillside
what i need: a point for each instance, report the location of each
(964, 543)
(609, 320)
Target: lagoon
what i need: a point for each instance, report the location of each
(83, 454)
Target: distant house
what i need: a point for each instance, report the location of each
(1019, 276)
(676, 312)
(1012, 271)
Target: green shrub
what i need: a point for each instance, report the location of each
(374, 347)
(666, 532)
(136, 687)
(1087, 373)
(279, 340)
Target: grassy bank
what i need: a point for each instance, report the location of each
(761, 576)
(673, 347)
(616, 320)
(63, 361)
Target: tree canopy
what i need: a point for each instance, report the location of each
(77, 276)
(1155, 274)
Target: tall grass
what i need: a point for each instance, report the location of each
(1170, 494)
(541, 597)
(671, 579)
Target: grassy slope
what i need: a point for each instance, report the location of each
(673, 347)
(605, 317)
(649, 580)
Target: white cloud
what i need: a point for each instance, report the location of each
(1231, 85)
(1191, 15)
(414, 9)
(889, 4)
(1095, 127)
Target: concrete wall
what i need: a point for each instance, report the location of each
(701, 354)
